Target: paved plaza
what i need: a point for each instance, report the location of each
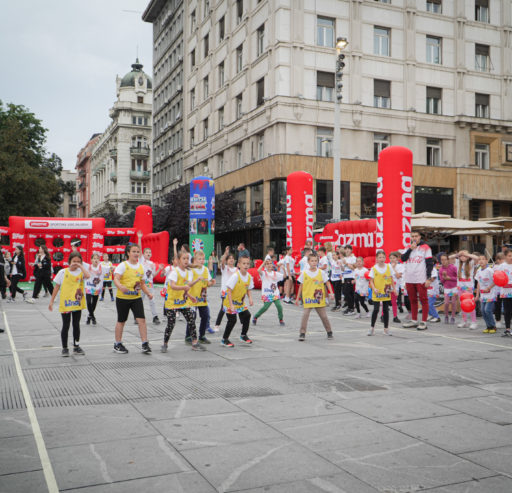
(419, 411)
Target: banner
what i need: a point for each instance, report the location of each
(202, 215)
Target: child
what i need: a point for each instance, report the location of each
(106, 264)
(201, 280)
(361, 287)
(432, 293)
(448, 278)
(227, 269)
(72, 300)
(94, 286)
(486, 292)
(398, 271)
(289, 279)
(313, 282)
(382, 284)
(177, 300)
(239, 285)
(465, 282)
(506, 292)
(348, 276)
(336, 282)
(269, 290)
(151, 272)
(129, 281)
(498, 306)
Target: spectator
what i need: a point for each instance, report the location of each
(242, 251)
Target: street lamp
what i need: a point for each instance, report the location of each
(341, 44)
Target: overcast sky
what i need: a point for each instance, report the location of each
(60, 59)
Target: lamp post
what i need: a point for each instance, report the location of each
(341, 44)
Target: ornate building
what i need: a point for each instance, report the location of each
(83, 182)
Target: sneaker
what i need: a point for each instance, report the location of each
(119, 348)
(78, 350)
(30, 300)
(463, 325)
(93, 320)
(163, 348)
(349, 312)
(302, 336)
(492, 330)
(412, 324)
(25, 296)
(216, 328)
(387, 332)
(473, 326)
(422, 326)
(111, 298)
(357, 315)
(499, 325)
(371, 331)
(281, 323)
(452, 321)
(46, 294)
(245, 339)
(506, 333)
(102, 299)
(400, 309)
(88, 321)
(435, 320)
(254, 321)
(197, 347)
(145, 348)
(188, 340)
(10, 300)
(329, 335)
(211, 331)
(65, 352)
(226, 343)
(204, 340)
(368, 315)
(486, 330)
(396, 320)
(156, 320)
(446, 320)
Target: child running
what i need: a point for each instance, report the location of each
(448, 278)
(94, 286)
(382, 284)
(464, 264)
(361, 286)
(106, 264)
(227, 269)
(129, 281)
(238, 286)
(486, 292)
(151, 272)
(313, 283)
(506, 292)
(70, 281)
(269, 290)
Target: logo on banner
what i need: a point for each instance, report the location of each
(309, 216)
(198, 203)
(289, 230)
(406, 184)
(379, 236)
(197, 245)
(56, 224)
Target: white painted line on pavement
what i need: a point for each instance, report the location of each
(36, 430)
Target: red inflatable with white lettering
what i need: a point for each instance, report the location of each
(299, 210)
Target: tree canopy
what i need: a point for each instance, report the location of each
(30, 182)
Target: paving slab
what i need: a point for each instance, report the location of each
(494, 408)
(18, 454)
(496, 484)
(23, 482)
(498, 459)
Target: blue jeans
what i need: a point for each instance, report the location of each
(431, 308)
(488, 313)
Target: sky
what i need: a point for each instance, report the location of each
(60, 59)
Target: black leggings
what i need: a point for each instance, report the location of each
(336, 286)
(42, 280)
(497, 308)
(507, 311)
(188, 315)
(107, 284)
(14, 285)
(385, 310)
(348, 292)
(91, 299)
(66, 319)
(360, 300)
(220, 315)
(245, 320)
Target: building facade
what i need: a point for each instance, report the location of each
(121, 157)
(83, 183)
(68, 208)
(431, 75)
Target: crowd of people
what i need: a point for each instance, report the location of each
(400, 280)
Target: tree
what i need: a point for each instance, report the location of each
(173, 216)
(30, 182)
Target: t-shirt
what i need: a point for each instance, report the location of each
(310, 273)
(506, 291)
(289, 261)
(348, 273)
(269, 289)
(433, 289)
(362, 283)
(465, 283)
(94, 284)
(149, 270)
(451, 272)
(59, 278)
(121, 268)
(234, 279)
(173, 276)
(324, 261)
(227, 273)
(485, 280)
(415, 266)
(303, 263)
(336, 270)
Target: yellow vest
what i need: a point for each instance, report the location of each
(313, 290)
(238, 294)
(198, 290)
(108, 275)
(176, 298)
(131, 278)
(384, 283)
(72, 293)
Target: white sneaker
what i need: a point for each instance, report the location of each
(45, 295)
(499, 325)
(463, 325)
(358, 315)
(368, 315)
(30, 300)
(473, 326)
(216, 328)
(429, 319)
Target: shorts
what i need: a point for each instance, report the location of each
(450, 291)
(124, 306)
(281, 283)
(107, 284)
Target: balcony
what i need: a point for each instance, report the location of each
(140, 152)
(140, 175)
(113, 153)
(113, 176)
(81, 172)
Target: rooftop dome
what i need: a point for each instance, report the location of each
(129, 80)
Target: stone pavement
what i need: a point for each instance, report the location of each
(429, 411)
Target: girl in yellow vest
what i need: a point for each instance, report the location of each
(238, 285)
(70, 282)
(201, 275)
(313, 282)
(129, 278)
(178, 300)
(383, 285)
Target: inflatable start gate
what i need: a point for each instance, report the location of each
(58, 234)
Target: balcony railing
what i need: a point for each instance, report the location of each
(140, 175)
(113, 153)
(139, 151)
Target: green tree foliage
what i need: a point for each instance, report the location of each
(30, 182)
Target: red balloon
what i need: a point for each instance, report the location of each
(466, 296)
(367, 275)
(163, 292)
(500, 278)
(467, 305)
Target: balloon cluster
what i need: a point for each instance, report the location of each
(467, 302)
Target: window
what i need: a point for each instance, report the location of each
(240, 205)
(278, 197)
(257, 200)
(239, 112)
(434, 6)
(193, 23)
(205, 128)
(260, 40)
(222, 28)
(482, 10)
(193, 58)
(380, 142)
(205, 87)
(206, 41)
(383, 1)
(325, 31)
(140, 99)
(482, 105)
(192, 99)
(239, 156)
(381, 41)
(260, 92)
(434, 100)
(261, 146)
(221, 118)
(324, 138)
(221, 164)
(433, 199)
(368, 200)
(482, 155)
(433, 50)
(139, 187)
(482, 58)
(324, 199)
(325, 86)
(433, 152)
(239, 11)
(221, 74)
(192, 138)
(381, 93)
(239, 58)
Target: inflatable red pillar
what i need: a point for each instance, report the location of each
(299, 210)
(394, 199)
